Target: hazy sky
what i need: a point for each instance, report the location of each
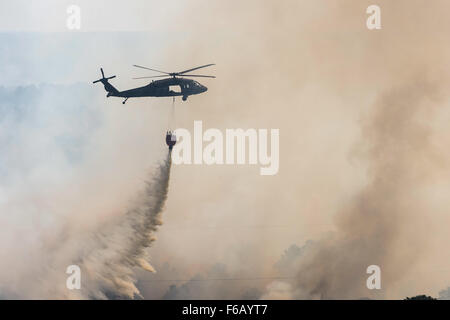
(353, 106)
(99, 15)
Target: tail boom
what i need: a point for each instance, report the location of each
(108, 86)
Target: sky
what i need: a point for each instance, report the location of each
(363, 159)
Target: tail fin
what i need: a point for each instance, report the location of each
(108, 86)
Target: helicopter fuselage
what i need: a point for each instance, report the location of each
(175, 85)
(170, 87)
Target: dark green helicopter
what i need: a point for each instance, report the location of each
(173, 85)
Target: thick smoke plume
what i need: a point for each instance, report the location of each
(108, 253)
(311, 69)
(314, 70)
(371, 229)
(127, 240)
(118, 247)
(70, 197)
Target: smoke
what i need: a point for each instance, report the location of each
(120, 247)
(375, 227)
(109, 254)
(204, 286)
(309, 68)
(362, 145)
(67, 198)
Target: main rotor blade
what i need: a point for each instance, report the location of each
(134, 65)
(206, 65)
(196, 75)
(150, 77)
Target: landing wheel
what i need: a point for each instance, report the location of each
(184, 98)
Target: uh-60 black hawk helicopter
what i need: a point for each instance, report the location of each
(160, 88)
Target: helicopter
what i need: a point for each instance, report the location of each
(159, 88)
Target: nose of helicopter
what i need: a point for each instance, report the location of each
(204, 89)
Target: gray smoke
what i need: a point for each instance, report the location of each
(119, 247)
(215, 283)
(108, 253)
(375, 227)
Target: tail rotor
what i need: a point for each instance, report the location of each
(108, 86)
(103, 79)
